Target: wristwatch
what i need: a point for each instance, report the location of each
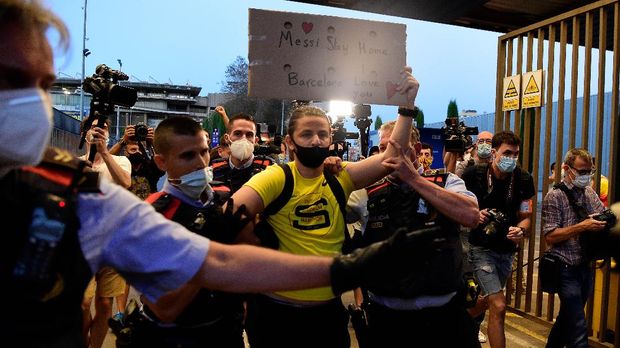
(409, 112)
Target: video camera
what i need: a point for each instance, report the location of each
(455, 135)
(107, 93)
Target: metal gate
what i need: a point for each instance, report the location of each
(590, 35)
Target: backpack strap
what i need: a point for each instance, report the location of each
(337, 190)
(285, 195)
(581, 212)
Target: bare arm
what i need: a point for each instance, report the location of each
(220, 110)
(245, 268)
(368, 171)
(449, 161)
(254, 205)
(455, 206)
(119, 175)
(563, 233)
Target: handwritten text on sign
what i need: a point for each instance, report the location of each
(313, 57)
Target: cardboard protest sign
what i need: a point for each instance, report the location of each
(314, 57)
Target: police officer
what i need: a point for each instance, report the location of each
(55, 238)
(190, 317)
(242, 164)
(425, 309)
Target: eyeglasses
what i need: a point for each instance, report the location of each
(482, 141)
(584, 171)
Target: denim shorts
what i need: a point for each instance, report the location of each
(491, 268)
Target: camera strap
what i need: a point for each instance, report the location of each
(578, 208)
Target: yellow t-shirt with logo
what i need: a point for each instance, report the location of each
(310, 223)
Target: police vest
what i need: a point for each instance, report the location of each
(235, 178)
(42, 269)
(207, 306)
(438, 270)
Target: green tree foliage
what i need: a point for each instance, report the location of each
(419, 120)
(236, 83)
(378, 122)
(453, 109)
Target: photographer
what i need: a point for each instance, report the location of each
(242, 164)
(138, 148)
(504, 193)
(562, 229)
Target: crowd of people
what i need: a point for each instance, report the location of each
(249, 243)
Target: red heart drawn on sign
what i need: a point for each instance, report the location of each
(390, 89)
(307, 27)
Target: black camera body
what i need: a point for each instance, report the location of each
(455, 135)
(104, 87)
(606, 216)
(498, 223)
(107, 93)
(141, 132)
(267, 150)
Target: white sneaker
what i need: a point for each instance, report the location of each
(482, 338)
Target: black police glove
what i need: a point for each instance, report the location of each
(386, 264)
(231, 224)
(368, 265)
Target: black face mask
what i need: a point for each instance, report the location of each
(311, 157)
(136, 158)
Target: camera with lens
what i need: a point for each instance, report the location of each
(606, 216)
(455, 135)
(602, 244)
(141, 132)
(104, 87)
(106, 94)
(498, 223)
(267, 150)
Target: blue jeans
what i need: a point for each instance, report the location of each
(570, 327)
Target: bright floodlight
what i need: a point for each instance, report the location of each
(339, 108)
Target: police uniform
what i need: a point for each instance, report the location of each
(234, 178)
(53, 244)
(425, 310)
(213, 318)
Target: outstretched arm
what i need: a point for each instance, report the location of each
(455, 206)
(245, 268)
(368, 171)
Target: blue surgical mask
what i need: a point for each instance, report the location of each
(507, 164)
(192, 184)
(484, 150)
(25, 125)
(582, 181)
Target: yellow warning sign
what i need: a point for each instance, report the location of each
(532, 90)
(531, 86)
(512, 92)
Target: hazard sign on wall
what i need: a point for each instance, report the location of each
(531, 94)
(511, 93)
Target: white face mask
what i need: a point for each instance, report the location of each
(241, 149)
(25, 127)
(194, 183)
(582, 181)
(484, 150)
